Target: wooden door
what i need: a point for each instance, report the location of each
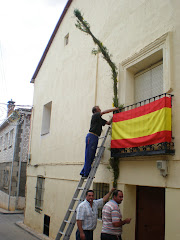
(150, 213)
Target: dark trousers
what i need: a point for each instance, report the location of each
(88, 234)
(90, 151)
(105, 236)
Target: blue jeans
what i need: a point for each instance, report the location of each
(90, 151)
(88, 234)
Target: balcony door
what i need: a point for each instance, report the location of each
(150, 213)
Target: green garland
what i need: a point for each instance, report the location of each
(114, 163)
(85, 27)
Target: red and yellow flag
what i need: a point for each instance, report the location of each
(144, 125)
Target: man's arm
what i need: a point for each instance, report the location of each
(109, 122)
(121, 222)
(106, 197)
(79, 224)
(109, 110)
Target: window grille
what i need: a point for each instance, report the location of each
(39, 193)
(100, 189)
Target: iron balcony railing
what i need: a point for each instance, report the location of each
(146, 150)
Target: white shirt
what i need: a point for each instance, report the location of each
(87, 214)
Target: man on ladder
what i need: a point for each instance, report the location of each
(92, 137)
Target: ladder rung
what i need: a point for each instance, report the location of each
(76, 199)
(101, 137)
(66, 221)
(71, 210)
(62, 233)
(80, 188)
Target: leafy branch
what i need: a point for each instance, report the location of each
(114, 163)
(84, 26)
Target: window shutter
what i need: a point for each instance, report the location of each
(148, 84)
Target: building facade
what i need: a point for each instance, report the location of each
(14, 142)
(143, 37)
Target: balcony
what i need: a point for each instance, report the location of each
(143, 128)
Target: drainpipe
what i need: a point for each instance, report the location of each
(20, 160)
(12, 166)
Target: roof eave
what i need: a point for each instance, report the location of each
(6, 122)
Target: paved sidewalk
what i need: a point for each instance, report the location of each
(13, 228)
(4, 211)
(32, 232)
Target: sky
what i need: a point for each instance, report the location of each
(25, 29)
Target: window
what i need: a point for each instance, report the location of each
(100, 189)
(147, 73)
(1, 143)
(46, 118)
(148, 83)
(11, 138)
(6, 141)
(66, 39)
(6, 179)
(46, 225)
(39, 193)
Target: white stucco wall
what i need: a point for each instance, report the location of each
(172, 214)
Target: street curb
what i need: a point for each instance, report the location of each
(4, 211)
(32, 232)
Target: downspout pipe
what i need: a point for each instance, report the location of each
(10, 184)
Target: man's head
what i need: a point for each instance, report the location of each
(96, 109)
(117, 196)
(90, 196)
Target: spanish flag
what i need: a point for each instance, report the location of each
(144, 125)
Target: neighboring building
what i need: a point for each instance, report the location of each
(144, 38)
(14, 142)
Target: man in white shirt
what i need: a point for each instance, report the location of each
(86, 215)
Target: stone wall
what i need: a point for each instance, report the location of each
(13, 156)
(5, 174)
